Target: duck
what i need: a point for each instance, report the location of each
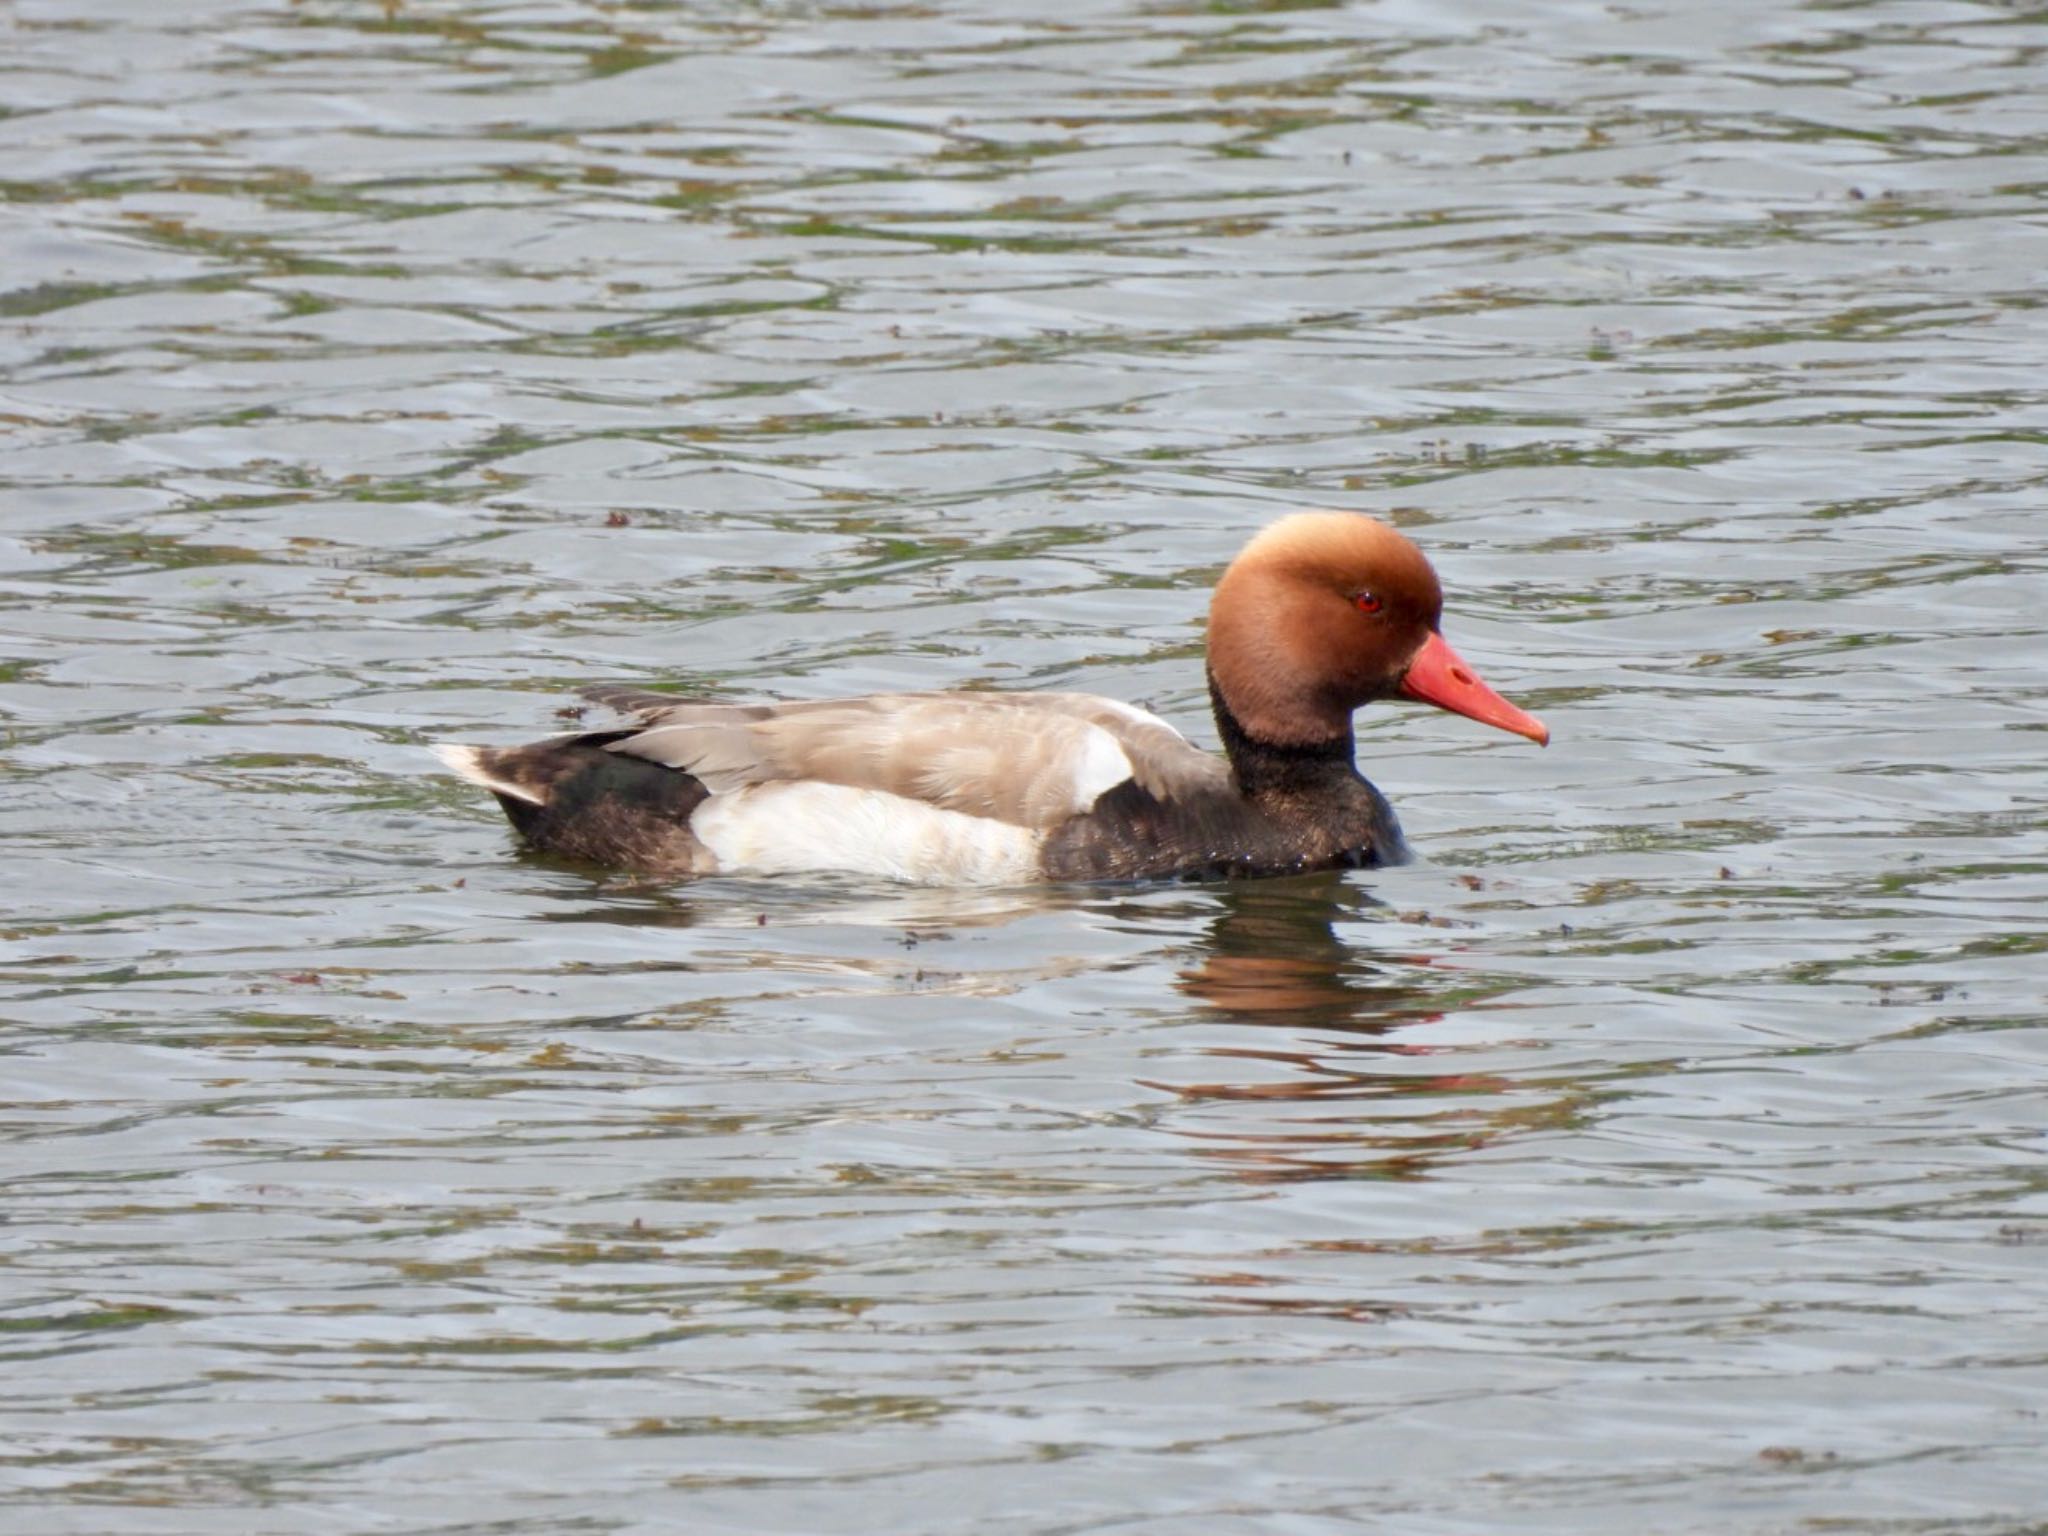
(1320, 614)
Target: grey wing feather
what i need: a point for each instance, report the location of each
(1032, 759)
(630, 700)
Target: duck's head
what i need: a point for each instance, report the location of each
(1326, 611)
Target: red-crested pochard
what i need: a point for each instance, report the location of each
(1321, 613)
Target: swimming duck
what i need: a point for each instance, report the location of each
(1322, 612)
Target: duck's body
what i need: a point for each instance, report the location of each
(941, 788)
(1321, 612)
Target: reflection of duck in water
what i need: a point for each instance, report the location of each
(1273, 956)
(1323, 1086)
(1322, 613)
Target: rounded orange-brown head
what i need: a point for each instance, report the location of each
(1325, 611)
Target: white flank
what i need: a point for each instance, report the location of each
(1098, 767)
(784, 829)
(464, 761)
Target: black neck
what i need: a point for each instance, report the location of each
(1266, 768)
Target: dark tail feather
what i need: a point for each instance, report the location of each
(569, 796)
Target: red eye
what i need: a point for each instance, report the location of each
(1365, 602)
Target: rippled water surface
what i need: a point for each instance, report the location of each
(1665, 1154)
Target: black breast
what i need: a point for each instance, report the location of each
(1130, 835)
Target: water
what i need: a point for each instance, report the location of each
(1664, 1155)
